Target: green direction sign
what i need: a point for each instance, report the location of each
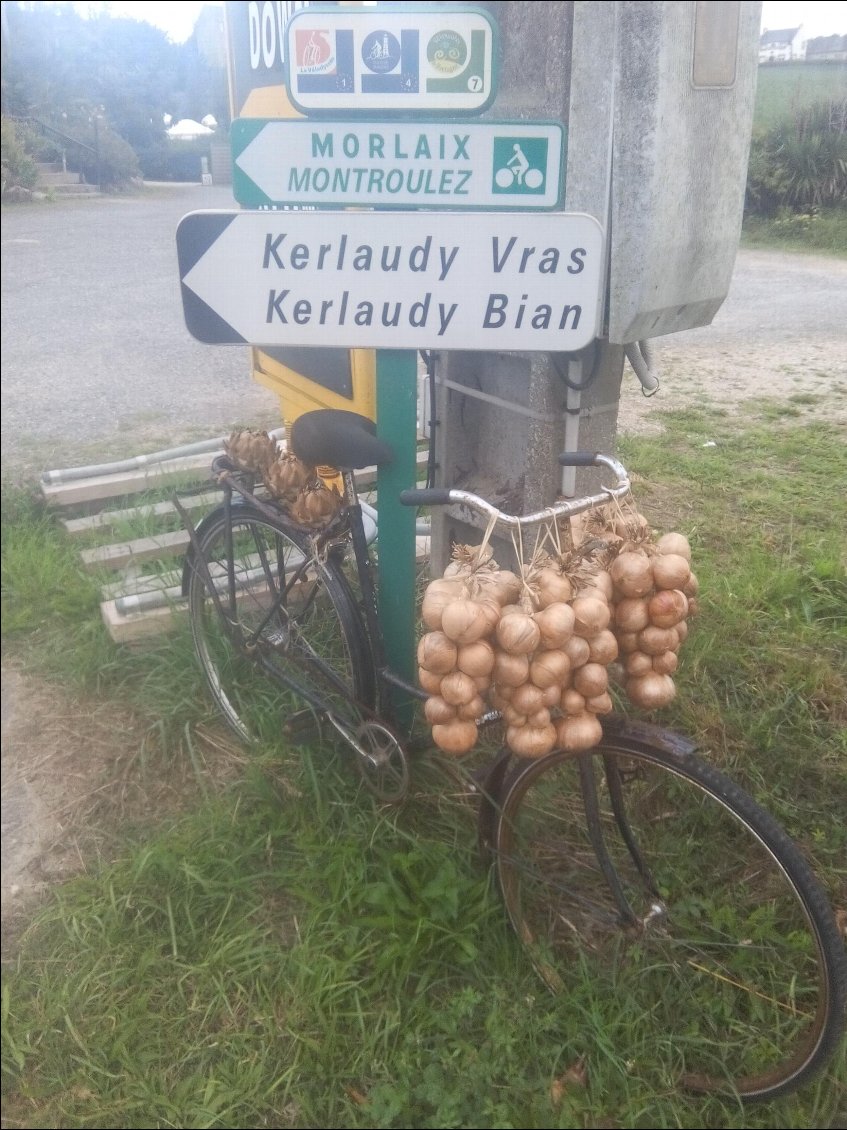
(401, 58)
(454, 165)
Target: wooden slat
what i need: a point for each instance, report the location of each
(107, 519)
(127, 482)
(140, 549)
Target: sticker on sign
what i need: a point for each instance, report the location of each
(402, 59)
(481, 165)
(518, 281)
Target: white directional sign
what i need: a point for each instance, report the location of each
(410, 58)
(481, 165)
(481, 281)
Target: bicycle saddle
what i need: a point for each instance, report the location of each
(334, 438)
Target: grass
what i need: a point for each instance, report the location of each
(285, 954)
(822, 232)
(782, 89)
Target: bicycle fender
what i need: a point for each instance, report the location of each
(648, 734)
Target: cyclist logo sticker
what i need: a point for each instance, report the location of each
(519, 166)
(381, 52)
(313, 52)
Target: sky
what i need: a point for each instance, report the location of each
(177, 19)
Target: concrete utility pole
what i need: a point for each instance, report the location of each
(658, 101)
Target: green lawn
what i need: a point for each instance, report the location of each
(784, 87)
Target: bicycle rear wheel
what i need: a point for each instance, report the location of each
(287, 635)
(730, 976)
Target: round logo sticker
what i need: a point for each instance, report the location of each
(447, 51)
(381, 52)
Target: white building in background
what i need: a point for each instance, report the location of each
(782, 46)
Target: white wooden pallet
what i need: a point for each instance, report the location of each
(143, 598)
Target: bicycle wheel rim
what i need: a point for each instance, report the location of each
(294, 639)
(738, 985)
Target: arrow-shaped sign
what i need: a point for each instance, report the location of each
(514, 281)
(476, 165)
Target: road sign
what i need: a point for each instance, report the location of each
(409, 58)
(398, 280)
(481, 165)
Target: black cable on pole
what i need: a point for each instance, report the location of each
(428, 358)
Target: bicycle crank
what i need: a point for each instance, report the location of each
(381, 759)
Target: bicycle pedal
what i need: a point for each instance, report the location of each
(301, 727)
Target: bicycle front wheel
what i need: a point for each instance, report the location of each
(284, 633)
(714, 957)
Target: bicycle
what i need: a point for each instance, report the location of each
(636, 856)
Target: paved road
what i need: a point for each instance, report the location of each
(97, 362)
(95, 354)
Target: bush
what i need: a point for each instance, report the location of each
(115, 161)
(800, 164)
(174, 160)
(19, 170)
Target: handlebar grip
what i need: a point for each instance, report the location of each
(434, 496)
(577, 459)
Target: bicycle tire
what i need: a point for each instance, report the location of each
(739, 984)
(312, 648)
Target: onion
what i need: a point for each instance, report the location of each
(664, 664)
(667, 608)
(603, 648)
(600, 704)
(631, 574)
(499, 700)
(437, 653)
(577, 650)
(553, 587)
(600, 580)
(457, 688)
(590, 680)
(627, 642)
(514, 717)
(670, 571)
(529, 741)
(476, 659)
(456, 737)
(465, 620)
(651, 691)
(638, 663)
(429, 682)
(581, 731)
(502, 586)
(481, 682)
(540, 718)
(591, 615)
(438, 711)
(550, 695)
(681, 628)
(656, 640)
(572, 702)
(674, 543)
(438, 594)
(556, 624)
(510, 670)
(527, 699)
(691, 586)
(549, 668)
(631, 614)
(518, 634)
(473, 709)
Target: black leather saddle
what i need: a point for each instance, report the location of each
(334, 438)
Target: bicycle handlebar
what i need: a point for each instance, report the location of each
(441, 496)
